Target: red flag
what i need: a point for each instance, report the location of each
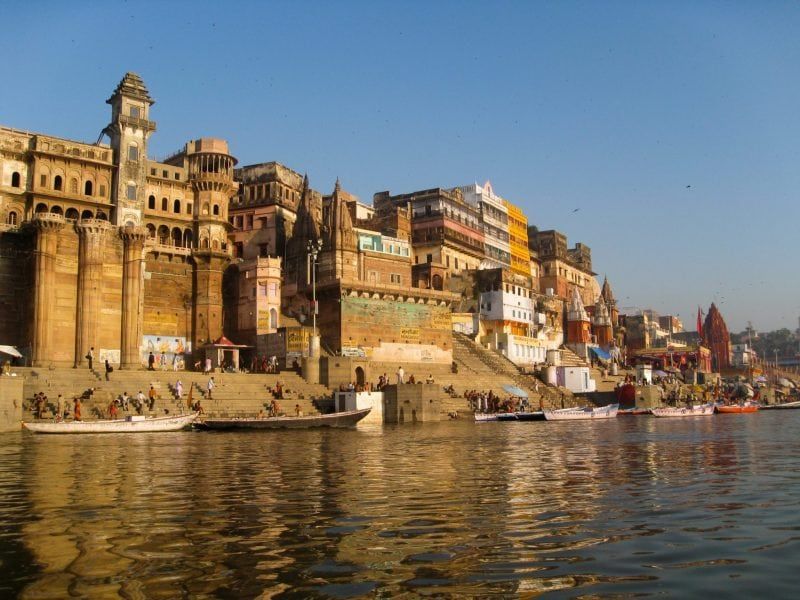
(699, 322)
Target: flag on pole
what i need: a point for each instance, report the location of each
(700, 322)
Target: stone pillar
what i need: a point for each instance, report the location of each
(48, 225)
(133, 238)
(90, 274)
(209, 268)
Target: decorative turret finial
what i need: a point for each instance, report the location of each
(338, 187)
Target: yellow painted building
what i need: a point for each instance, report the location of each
(518, 238)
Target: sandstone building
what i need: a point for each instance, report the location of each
(102, 247)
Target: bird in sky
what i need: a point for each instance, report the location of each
(576, 210)
(688, 186)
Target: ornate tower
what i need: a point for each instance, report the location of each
(211, 176)
(129, 130)
(339, 258)
(717, 339)
(601, 323)
(608, 297)
(578, 324)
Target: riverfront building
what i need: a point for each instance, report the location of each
(102, 247)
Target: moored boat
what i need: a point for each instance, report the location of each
(586, 413)
(745, 407)
(699, 410)
(536, 415)
(131, 424)
(485, 417)
(784, 405)
(338, 419)
(633, 412)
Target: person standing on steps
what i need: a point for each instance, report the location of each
(151, 395)
(179, 390)
(140, 401)
(209, 388)
(401, 375)
(60, 408)
(90, 357)
(151, 360)
(109, 369)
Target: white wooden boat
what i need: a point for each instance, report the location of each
(579, 414)
(338, 419)
(485, 417)
(698, 410)
(785, 405)
(131, 424)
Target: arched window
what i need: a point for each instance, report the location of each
(15, 179)
(215, 245)
(188, 208)
(163, 234)
(204, 243)
(12, 218)
(101, 215)
(72, 213)
(205, 208)
(73, 186)
(57, 183)
(176, 206)
(151, 230)
(151, 203)
(41, 208)
(177, 237)
(87, 188)
(56, 210)
(273, 318)
(216, 209)
(164, 203)
(87, 214)
(187, 238)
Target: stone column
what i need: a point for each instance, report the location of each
(209, 268)
(48, 225)
(90, 274)
(133, 238)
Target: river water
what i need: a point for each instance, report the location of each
(636, 505)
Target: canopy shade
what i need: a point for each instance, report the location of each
(10, 350)
(600, 353)
(515, 391)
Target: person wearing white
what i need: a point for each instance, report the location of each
(179, 389)
(209, 388)
(401, 375)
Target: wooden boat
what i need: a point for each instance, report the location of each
(537, 415)
(131, 424)
(589, 412)
(745, 407)
(785, 405)
(699, 410)
(633, 412)
(485, 417)
(338, 419)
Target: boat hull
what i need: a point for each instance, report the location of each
(784, 406)
(701, 410)
(530, 416)
(737, 409)
(149, 425)
(336, 420)
(582, 414)
(633, 412)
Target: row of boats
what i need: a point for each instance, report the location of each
(611, 411)
(141, 424)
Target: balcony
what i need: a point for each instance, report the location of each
(137, 122)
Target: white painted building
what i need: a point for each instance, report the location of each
(494, 221)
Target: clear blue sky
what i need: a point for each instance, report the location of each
(614, 108)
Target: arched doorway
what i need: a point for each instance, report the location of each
(361, 378)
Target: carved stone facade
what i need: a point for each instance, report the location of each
(717, 339)
(101, 247)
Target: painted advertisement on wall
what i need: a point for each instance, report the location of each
(166, 350)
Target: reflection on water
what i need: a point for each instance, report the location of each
(636, 505)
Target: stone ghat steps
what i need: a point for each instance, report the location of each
(234, 394)
(486, 369)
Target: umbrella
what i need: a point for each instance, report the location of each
(761, 379)
(10, 350)
(515, 391)
(782, 381)
(660, 373)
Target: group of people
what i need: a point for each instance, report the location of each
(489, 402)
(61, 408)
(263, 364)
(162, 362)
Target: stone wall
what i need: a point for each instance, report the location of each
(411, 404)
(16, 289)
(11, 403)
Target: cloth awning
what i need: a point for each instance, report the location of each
(11, 351)
(600, 353)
